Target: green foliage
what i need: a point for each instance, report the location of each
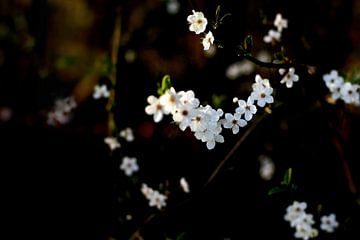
(286, 185)
(219, 19)
(218, 100)
(165, 85)
(248, 43)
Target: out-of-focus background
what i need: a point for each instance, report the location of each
(61, 181)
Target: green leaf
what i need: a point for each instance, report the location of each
(165, 85)
(276, 190)
(218, 100)
(248, 43)
(287, 177)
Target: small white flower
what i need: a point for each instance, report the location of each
(112, 142)
(208, 40)
(294, 211)
(333, 81)
(329, 223)
(101, 92)
(272, 36)
(128, 134)
(280, 22)
(197, 22)
(157, 200)
(349, 93)
(262, 95)
(247, 108)
(129, 165)
(184, 185)
(155, 108)
(147, 191)
(170, 100)
(234, 122)
(289, 78)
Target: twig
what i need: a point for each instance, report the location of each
(234, 148)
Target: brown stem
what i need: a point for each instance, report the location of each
(234, 148)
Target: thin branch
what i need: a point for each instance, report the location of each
(234, 148)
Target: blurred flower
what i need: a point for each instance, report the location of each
(5, 114)
(240, 68)
(280, 22)
(61, 112)
(267, 167)
(172, 6)
(184, 185)
(329, 223)
(128, 134)
(101, 92)
(155, 198)
(112, 142)
(289, 78)
(272, 36)
(197, 22)
(129, 165)
(130, 56)
(208, 40)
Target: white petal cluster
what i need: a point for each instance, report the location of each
(329, 223)
(61, 112)
(156, 199)
(129, 165)
(101, 91)
(267, 167)
(198, 24)
(275, 35)
(289, 78)
(340, 89)
(204, 121)
(301, 221)
(184, 185)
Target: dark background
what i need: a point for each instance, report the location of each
(62, 182)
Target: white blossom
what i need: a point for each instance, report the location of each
(155, 108)
(156, 199)
(208, 40)
(247, 108)
(289, 78)
(234, 122)
(267, 167)
(239, 68)
(349, 93)
(261, 91)
(184, 185)
(112, 142)
(197, 22)
(280, 22)
(272, 36)
(129, 165)
(172, 6)
(329, 223)
(128, 134)
(101, 92)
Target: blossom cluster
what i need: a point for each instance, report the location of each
(198, 23)
(61, 112)
(275, 35)
(205, 121)
(340, 89)
(156, 199)
(303, 222)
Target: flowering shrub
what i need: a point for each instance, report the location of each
(179, 117)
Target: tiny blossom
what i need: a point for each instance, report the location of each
(112, 142)
(235, 100)
(129, 165)
(197, 22)
(155, 108)
(267, 167)
(247, 108)
(280, 22)
(208, 40)
(170, 100)
(349, 93)
(289, 78)
(294, 211)
(61, 113)
(272, 36)
(128, 134)
(333, 81)
(155, 198)
(234, 122)
(184, 185)
(261, 91)
(329, 223)
(101, 92)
